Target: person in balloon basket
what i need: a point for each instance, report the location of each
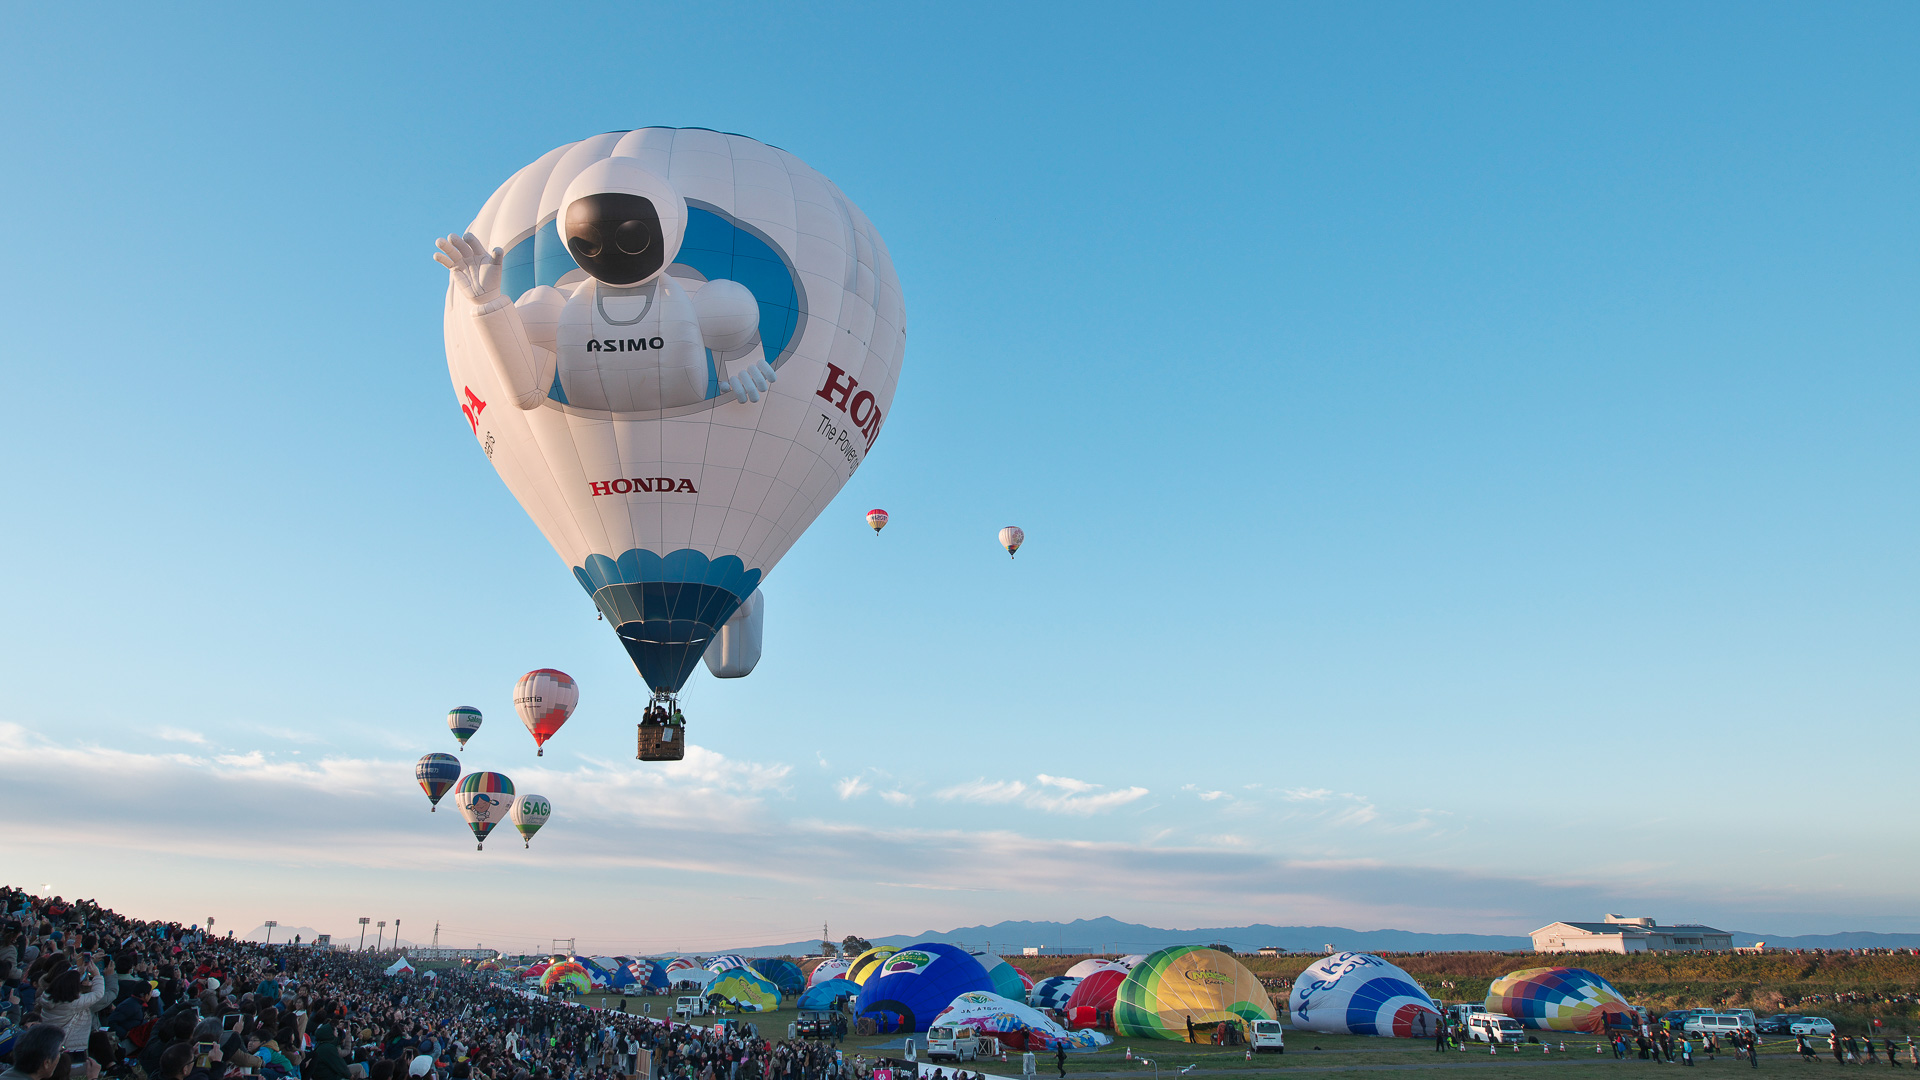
(631, 337)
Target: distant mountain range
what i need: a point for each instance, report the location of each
(1108, 935)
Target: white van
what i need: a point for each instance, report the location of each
(1266, 1035)
(1489, 1027)
(1457, 1014)
(1717, 1023)
(946, 1042)
(689, 1006)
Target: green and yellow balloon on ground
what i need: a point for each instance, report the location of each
(1184, 983)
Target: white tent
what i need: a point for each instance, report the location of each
(400, 967)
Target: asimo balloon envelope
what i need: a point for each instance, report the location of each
(1360, 994)
(687, 343)
(1560, 999)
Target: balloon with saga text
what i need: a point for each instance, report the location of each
(675, 346)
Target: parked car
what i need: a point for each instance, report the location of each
(1810, 1025)
(1774, 1025)
(1489, 1027)
(1717, 1024)
(1268, 1036)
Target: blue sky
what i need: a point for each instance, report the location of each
(1467, 455)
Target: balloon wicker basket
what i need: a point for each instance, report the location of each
(662, 742)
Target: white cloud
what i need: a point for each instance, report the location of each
(1055, 794)
(984, 791)
(851, 787)
(1307, 794)
(174, 734)
(897, 798)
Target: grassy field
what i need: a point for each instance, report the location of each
(1309, 1053)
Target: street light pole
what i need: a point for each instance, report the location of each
(363, 932)
(396, 935)
(270, 925)
(379, 941)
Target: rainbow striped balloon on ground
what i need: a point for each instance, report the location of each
(1187, 990)
(1360, 994)
(1560, 999)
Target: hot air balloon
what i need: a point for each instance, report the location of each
(545, 698)
(1353, 993)
(529, 813)
(485, 798)
(674, 346)
(876, 520)
(463, 722)
(437, 774)
(1011, 538)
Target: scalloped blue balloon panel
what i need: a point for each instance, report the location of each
(640, 566)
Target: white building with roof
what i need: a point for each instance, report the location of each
(1622, 934)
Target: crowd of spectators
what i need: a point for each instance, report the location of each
(88, 993)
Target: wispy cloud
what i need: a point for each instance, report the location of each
(984, 791)
(174, 734)
(851, 787)
(1056, 794)
(897, 798)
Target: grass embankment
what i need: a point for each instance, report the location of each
(1849, 990)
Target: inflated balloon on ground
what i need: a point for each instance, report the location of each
(1188, 985)
(1018, 1026)
(1560, 999)
(868, 962)
(910, 987)
(1360, 994)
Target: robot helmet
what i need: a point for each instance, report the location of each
(622, 223)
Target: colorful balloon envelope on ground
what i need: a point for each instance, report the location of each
(545, 698)
(868, 962)
(437, 774)
(673, 412)
(485, 800)
(1189, 987)
(529, 813)
(913, 985)
(828, 970)
(1560, 999)
(463, 722)
(566, 975)
(876, 520)
(1011, 538)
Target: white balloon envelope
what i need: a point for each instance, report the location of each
(675, 420)
(1360, 994)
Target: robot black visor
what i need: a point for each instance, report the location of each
(615, 237)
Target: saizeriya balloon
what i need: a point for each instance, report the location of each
(675, 346)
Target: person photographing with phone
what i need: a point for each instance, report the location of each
(72, 998)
